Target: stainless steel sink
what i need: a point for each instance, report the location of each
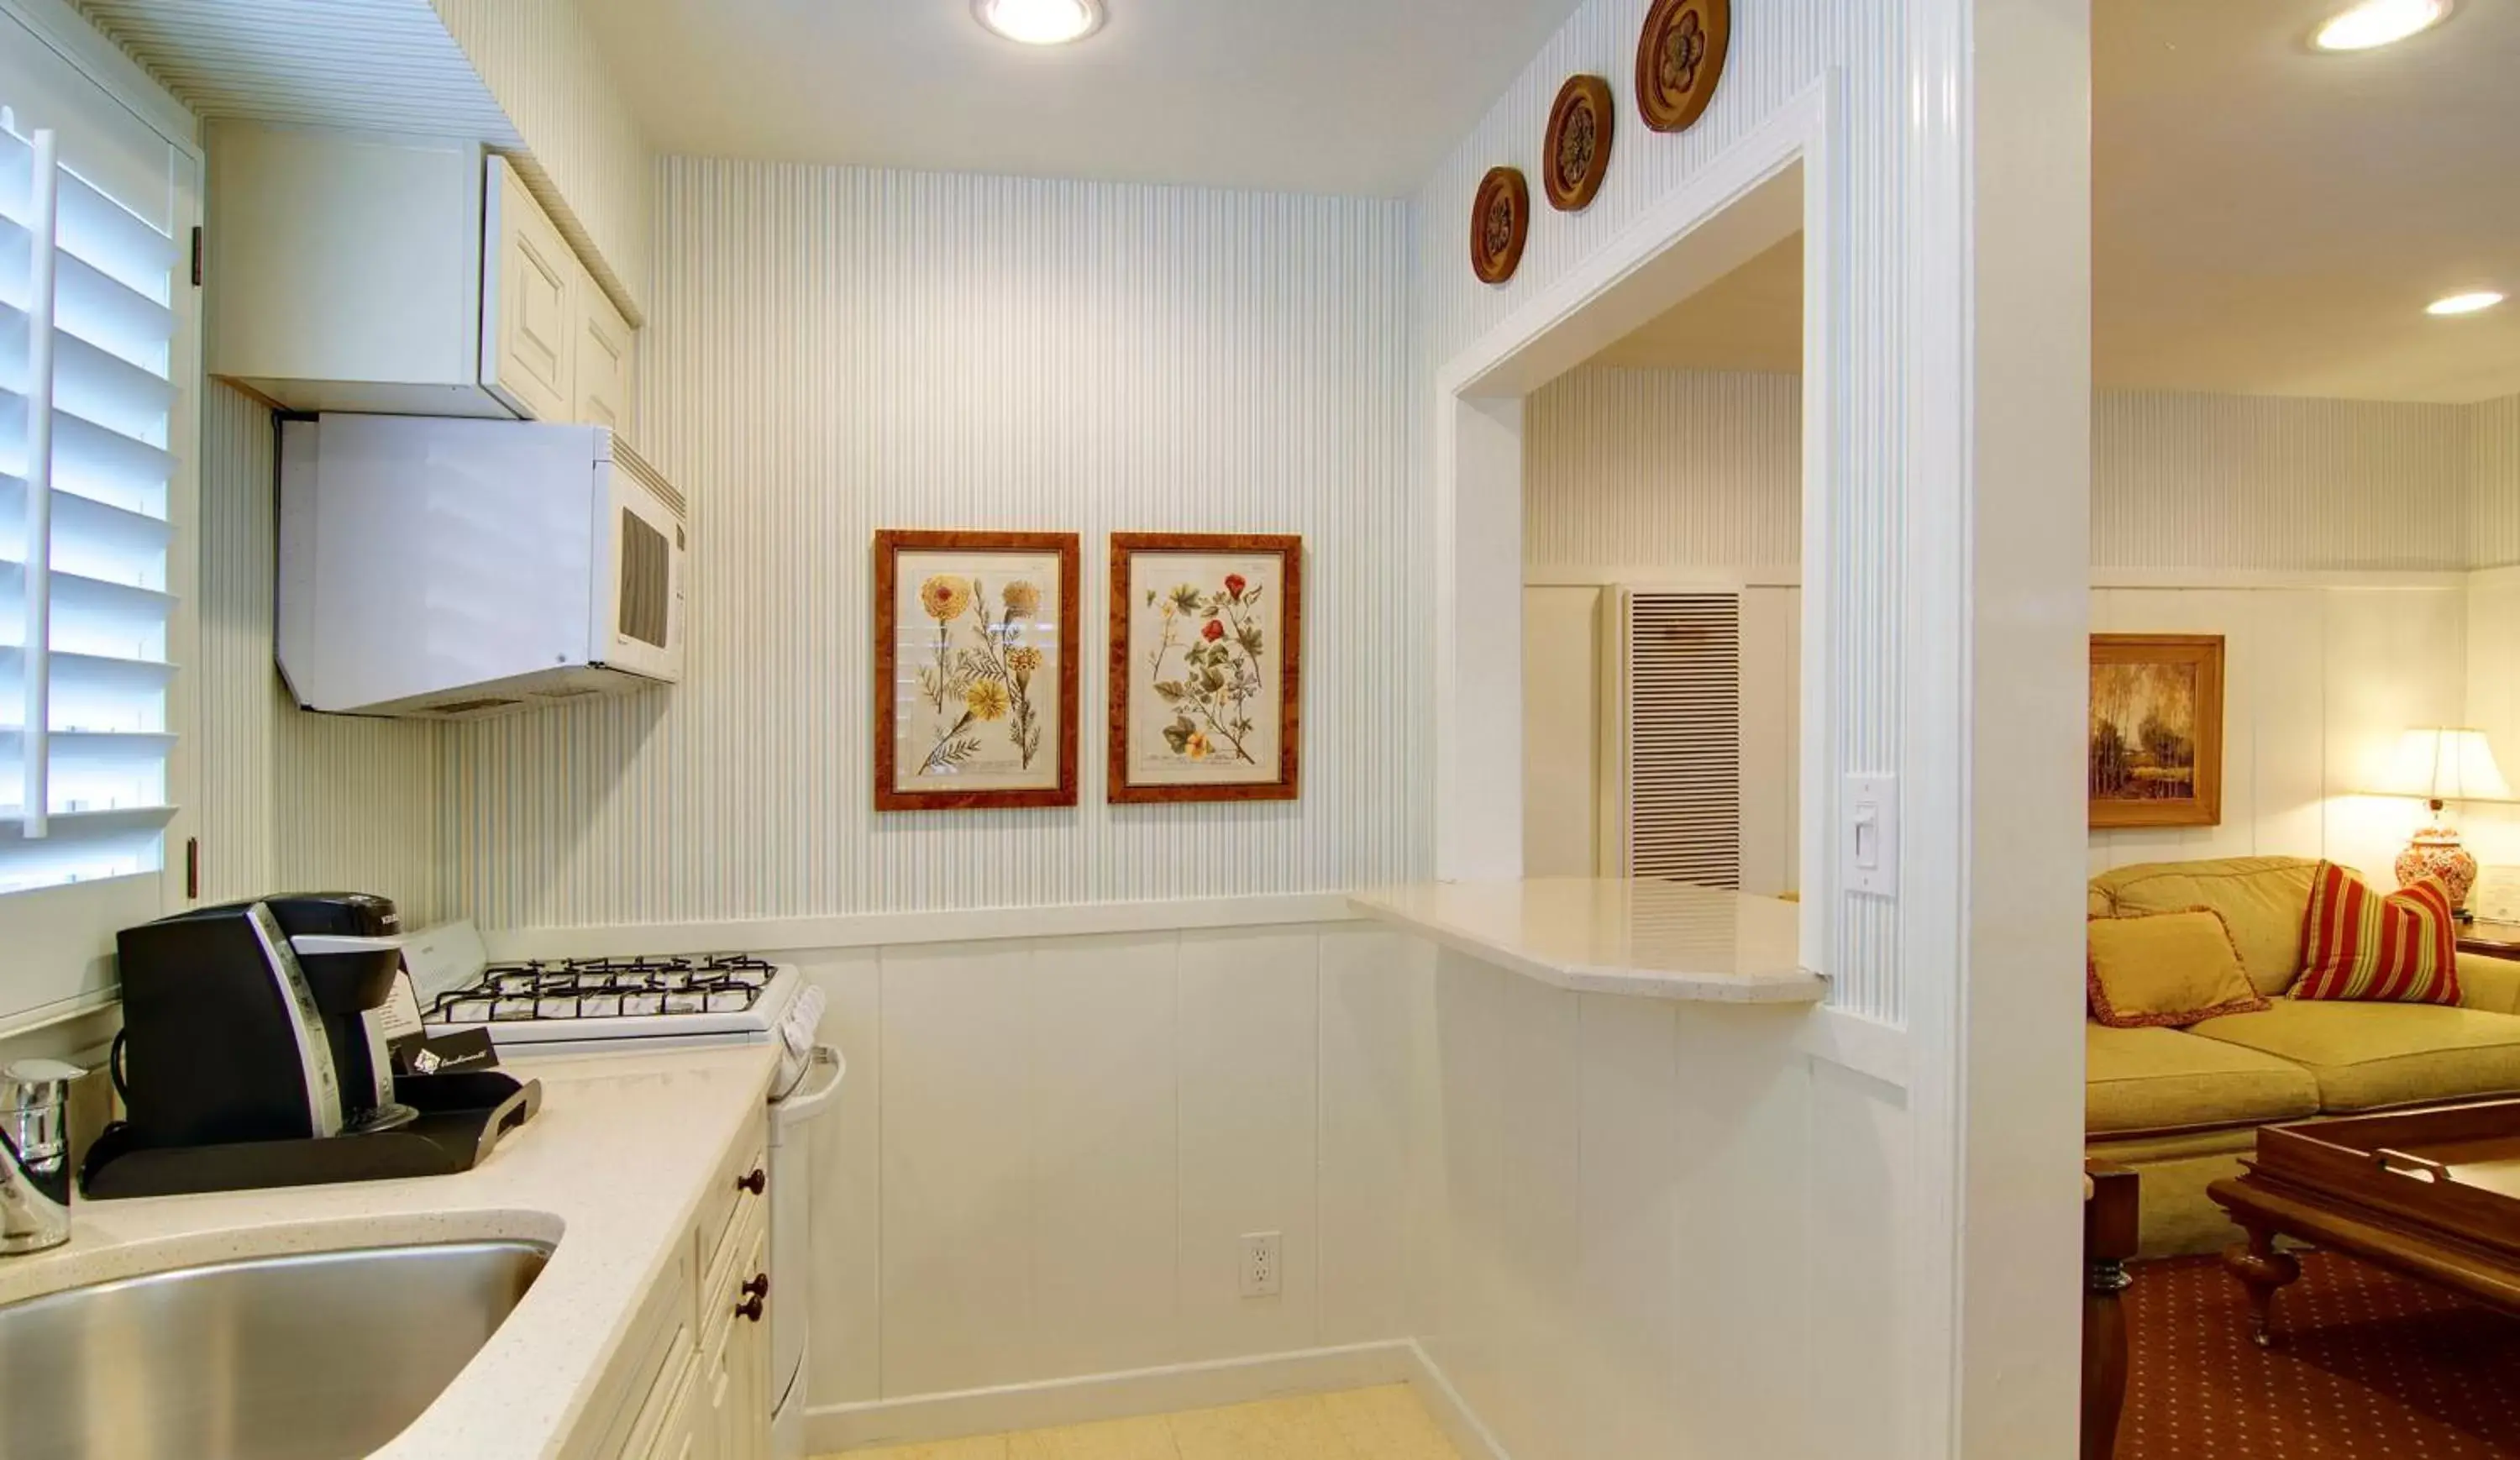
(321, 1357)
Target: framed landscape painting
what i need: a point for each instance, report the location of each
(2155, 754)
(974, 670)
(1206, 673)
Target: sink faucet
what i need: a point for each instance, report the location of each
(35, 1154)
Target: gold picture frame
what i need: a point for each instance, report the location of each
(2153, 752)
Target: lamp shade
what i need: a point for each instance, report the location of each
(2446, 764)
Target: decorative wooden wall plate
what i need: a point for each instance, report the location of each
(1680, 58)
(1578, 147)
(1500, 223)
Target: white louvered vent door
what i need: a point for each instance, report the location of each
(1673, 722)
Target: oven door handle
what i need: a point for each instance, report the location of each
(806, 1103)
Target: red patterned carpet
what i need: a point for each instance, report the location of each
(2367, 1365)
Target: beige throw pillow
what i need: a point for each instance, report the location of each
(2166, 969)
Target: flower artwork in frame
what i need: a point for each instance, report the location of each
(976, 669)
(1206, 682)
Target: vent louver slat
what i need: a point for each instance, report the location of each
(1681, 725)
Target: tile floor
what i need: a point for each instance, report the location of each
(1365, 1423)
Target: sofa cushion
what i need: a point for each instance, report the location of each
(2262, 901)
(2368, 1056)
(2360, 946)
(2164, 1079)
(2167, 969)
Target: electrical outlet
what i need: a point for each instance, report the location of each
(1260, 1264)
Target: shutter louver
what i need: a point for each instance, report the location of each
(1677, 733)
(87, 398)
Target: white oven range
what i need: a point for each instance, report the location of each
(552, 1008)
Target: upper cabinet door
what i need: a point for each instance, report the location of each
(531, 302)
(607, 363)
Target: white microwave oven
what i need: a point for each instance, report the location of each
(457, 570)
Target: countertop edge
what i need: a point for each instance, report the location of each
(1801, 986)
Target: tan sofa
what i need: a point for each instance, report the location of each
(2182, 1106)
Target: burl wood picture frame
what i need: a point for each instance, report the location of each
(973, 633)
(2154, 756)
(1207, 636)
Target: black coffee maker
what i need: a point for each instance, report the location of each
(254, 1021)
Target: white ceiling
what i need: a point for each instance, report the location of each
(1321, 95)
(2267, 220)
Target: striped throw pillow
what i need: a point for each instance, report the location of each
(2357, 945)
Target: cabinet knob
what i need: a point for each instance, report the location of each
(749, 1309)
(756, 1183)
(759, 1287)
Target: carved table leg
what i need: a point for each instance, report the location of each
(2260, 1269)
(2112, 1220)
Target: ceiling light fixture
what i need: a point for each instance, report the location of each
(2379, 22)
(1040, 22)
(2464, 304)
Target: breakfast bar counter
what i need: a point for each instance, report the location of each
(1641, 939)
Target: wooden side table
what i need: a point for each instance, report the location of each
(2109, 1240)
(2493, 939)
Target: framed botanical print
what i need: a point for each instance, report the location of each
(2155, 754)
(1206, 667)
(974, 670)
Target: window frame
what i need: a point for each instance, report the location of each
(51, 929)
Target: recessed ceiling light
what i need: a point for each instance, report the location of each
(1041, 23)
(2379, 22)
(2464, 304)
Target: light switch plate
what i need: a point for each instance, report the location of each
(1868, 840)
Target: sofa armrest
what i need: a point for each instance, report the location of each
(2491, 983)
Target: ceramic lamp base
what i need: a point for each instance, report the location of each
(2435, 852)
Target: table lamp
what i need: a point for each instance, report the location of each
(2443, 763)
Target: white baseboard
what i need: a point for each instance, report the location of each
(926, 1418)
(1453, 1414)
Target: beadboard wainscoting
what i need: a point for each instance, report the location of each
(833, 350)
(1645, 1228)
(291, 799)
(1049, 1149)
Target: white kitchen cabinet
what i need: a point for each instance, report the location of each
(693, 1381)
(736, 1363)
(532, 304)
(607, 366)
(403, 276)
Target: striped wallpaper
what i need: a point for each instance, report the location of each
(398, 65)
(833, 351)
(291, 799)
(538, 58)
(1663, 469)
(2494, 498)
(2256, 483)
(1694, 469)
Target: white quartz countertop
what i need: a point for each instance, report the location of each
(612, 1170)
(1644, 939)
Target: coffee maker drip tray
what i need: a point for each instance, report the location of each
(454, 1123)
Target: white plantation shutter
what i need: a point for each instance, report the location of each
(1673, 723)
(93, 203)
